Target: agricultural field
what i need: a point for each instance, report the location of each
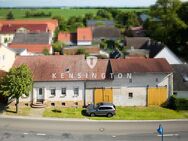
(66, 12)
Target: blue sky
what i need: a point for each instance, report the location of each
(48, 3)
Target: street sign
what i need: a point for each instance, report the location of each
(160, 131)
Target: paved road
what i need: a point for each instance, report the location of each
(44, 130)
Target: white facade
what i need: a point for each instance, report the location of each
(122, 87)
(169, 56)
(5, 39)
(181, 94)
(84, 43)
(7, 58)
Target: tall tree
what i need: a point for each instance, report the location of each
(16, 83)
(10, 16)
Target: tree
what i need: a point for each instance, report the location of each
(165, 23)
(46, 51)
(10, 15)
(57, 46)
(104, 14)
(82, 51)
(183, 12)
(16, 83)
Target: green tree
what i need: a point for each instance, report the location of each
(183, 12)
(82, 51)
(104, 14)
(46, 51)
(16, 83)
(165, 23)
(10, 16)
(57, 46)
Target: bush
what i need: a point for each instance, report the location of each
(178, 103)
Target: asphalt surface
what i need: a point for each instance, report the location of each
(16, 129)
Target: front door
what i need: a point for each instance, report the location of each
(40, 94)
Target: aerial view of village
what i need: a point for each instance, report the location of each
(100, 70)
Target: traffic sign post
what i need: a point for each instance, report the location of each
(160, 131)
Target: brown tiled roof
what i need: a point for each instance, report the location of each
(52, 24)
(137, 42)
(84, 34)
(43, 67)
(12, 28)
(140, 65)
(89, 49)
(34, 48)
(67, 37)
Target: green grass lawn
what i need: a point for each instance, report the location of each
(123, 113)
(20, 13)
(23, 111)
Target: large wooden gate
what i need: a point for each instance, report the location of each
(157, 96)
(103, 95)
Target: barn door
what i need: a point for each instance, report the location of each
(157, 96)
(103, 95)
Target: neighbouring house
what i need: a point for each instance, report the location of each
(22, 52)
(91, 50)
(51, 23)
(7, 58)
(8, 31)
(145, 47)
(94, 23)
(180, 80)
(35, 43)
(75, 81)
(110, 33)
(135, 31)
(67, 38)
(84, 36)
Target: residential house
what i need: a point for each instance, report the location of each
(35, 43)
(7, 58)
(180, 80)
(137, 31)
(145, 47)
(102, 32)
(74, 81)
(67, 38)
(84, 36)
(51, 23)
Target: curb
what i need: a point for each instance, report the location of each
(86, 120)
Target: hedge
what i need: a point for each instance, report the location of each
(178, 103)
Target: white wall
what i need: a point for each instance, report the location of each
(84, 43)
(181, 94)
(58, 85)
(169, 56)
(7, 58)
(6, 36)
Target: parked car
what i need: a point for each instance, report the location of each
(101, 109)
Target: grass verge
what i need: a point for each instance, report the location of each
(23, 111)
(123, 113)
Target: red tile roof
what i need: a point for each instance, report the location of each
(84, 34)
(52, 24)
(67, 37)
(89, 49)
(12, 28)
(34, 48)
(2, 73)
(43, 67)
(140, 65)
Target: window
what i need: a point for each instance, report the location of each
(40, 91)
(63, 91)
(76, 91)
(130, 80)
(52, 91)
(156, 80)
(130, 95)
(175, 93)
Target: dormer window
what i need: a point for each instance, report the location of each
(185, 77)
(67, 70)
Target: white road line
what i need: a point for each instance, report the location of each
(41, 134)
(25, 133)
(168, 135)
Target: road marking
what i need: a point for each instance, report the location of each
(168, 135)
(113, 136)
(25, 133)
(41, 134)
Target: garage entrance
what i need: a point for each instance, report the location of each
(157, 96)
(103, 95)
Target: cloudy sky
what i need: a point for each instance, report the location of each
(48, 3)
